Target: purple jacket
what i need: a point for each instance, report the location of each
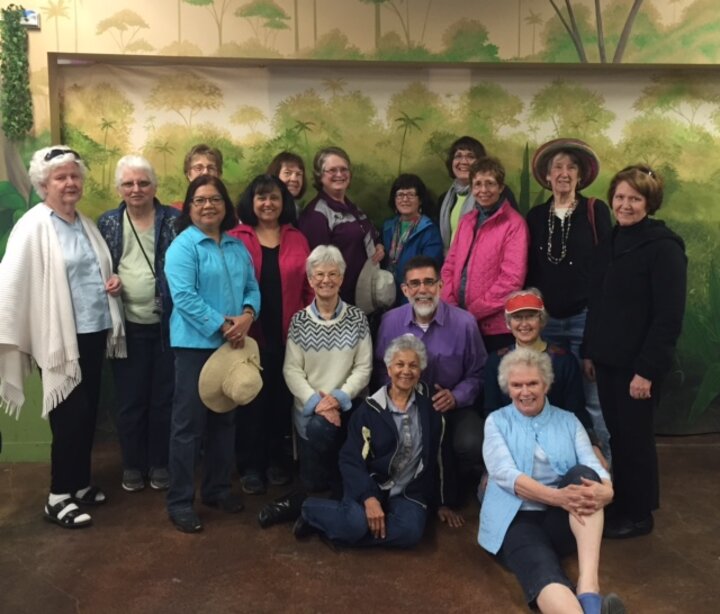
(325, 221)
(456, 353)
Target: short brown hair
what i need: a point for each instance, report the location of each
(488, 165)
(203, 150)
(642, 179)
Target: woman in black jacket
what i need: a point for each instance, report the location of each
(637, 301)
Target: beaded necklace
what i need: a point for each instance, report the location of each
(565, 225)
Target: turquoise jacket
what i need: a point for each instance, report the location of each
(207, 281)
(508, 451)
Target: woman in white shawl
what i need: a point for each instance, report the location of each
(59, 309)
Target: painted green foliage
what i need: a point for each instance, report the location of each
(124, 27)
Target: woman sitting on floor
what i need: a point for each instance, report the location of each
(546, 492)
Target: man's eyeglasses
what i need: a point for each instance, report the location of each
(128, 185)
(201, 201)
(54, 153)
(428, 282)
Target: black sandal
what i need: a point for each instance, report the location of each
(93, 496)
(65, 513)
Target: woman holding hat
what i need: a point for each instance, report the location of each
(215, 299)
(60, 310)
(331, 218)
(526, 318)
(410, 232)
(278, 251)
(637, 300)
(563, 234)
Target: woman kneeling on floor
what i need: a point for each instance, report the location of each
(390, 463)
(546, 492)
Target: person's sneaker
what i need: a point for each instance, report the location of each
(132, 480)
(612, 604)
(230, 504)
(278, 476)
(302, 529)
(186, 521)
(252, 484)
(159, 478)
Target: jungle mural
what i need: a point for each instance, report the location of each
(393, 120)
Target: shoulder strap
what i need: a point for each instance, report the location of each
(591, 218)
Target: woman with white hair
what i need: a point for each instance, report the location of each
(546, 492)
(138, 233)
(60, 309)
(328, 361)
(391, 463)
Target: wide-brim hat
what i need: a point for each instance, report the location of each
(375, 288)
(231, 377)
(589, 163)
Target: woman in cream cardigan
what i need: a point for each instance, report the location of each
(60, 310)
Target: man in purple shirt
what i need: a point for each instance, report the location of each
(456, 357)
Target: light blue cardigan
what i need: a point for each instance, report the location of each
(558, 432)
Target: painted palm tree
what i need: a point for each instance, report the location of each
(334, 86)
(56, 10)
(165, 149)
(217, 9)
(378, 26)
(533, 19)
(406, 123)
(106, 125)
(302, 128)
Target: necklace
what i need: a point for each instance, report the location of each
(565, 224)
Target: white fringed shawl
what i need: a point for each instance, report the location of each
(36, 315)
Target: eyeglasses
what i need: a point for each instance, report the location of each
(428, 282)
(54, 153)
(406, 195)
(201, 168)
(332, 276)
(488, 185)
(460, 157)
(201, 201)
(128, 185)
(337, 170)
(525, 317)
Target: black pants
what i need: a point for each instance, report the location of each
(263, 425)
(632, 442)
(72, 422)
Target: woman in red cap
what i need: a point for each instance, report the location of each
(563, 234)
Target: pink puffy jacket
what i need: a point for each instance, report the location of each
(495, 268)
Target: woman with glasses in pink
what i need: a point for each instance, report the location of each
(331, 218)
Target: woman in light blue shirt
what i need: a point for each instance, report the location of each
(215, 299)
(546, 492)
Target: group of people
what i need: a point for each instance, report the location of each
(498, 324)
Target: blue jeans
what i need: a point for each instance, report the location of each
(568, 333)
(191, 426)
(144, 383)
(345, 521)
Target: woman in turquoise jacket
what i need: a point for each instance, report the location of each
(215, 299)
(410, 233)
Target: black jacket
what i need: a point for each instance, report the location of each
(637, 299)
(372, 441)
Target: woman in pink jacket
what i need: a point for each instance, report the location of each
(488, 256)
(279, 252)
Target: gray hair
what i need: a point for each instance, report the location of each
(410, 342)
(543, 312)
(319, 163)
(324, 254)
(525, 357)
(135, 163)
(40, 168)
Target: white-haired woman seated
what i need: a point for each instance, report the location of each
(389, 463)
(546, 492)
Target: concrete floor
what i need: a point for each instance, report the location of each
(133, 560)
